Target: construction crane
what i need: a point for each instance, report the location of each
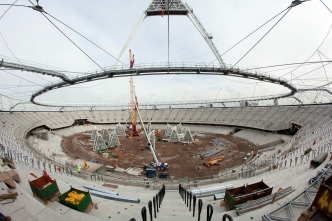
(133, 107)
(214, 161)
(156, 164)
(134, 112)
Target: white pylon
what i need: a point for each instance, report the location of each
(94, 133)
(174, 137)
(113, 140)
(188, 138)
(168, 130)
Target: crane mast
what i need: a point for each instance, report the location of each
(133, 107)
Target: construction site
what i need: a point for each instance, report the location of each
(184, 159)
(226, 121)
(174, 150)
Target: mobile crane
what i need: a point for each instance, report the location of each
(156, 164)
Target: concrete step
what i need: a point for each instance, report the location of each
(174, 208)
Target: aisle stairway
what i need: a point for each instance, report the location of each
(173, 208)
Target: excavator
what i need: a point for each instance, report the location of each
(214, 161)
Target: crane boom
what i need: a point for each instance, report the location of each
(151, 147)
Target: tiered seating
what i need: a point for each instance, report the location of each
(258, 138)
(266, 118)
(316, 122)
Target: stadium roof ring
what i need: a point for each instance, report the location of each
(166, 70)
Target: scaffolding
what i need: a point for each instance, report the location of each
(99, 143)
(174, 137)
(180, 128)
(168, 130)
(188, 138)
(120, 130)
(94, 133)
(113, 140)
(105, 135)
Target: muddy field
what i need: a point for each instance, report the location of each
(183, 160)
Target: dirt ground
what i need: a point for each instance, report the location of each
(183, 160)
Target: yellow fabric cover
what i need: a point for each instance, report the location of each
(74, 197)
(72, 193)
(71, 200)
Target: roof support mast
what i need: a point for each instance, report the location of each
(177, 7)
(173, 7)
(207, 36)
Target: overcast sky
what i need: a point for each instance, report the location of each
(29, 36)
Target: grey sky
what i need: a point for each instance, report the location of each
(109, 22)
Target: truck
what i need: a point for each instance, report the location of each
(160, 166)
(150, 172)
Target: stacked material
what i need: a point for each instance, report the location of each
(211, 191)
(220, 142)
(99, 190)
(318, 160)
(210, 152)
(134, 171)
(219, 196)
(245, 193)
(77, 199)
(324, 173)
(259, 203)
(44, 187)
(81, 143)
(110, 195)
(115, 197)
(74, 197)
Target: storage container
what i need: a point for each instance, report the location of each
(81, 206)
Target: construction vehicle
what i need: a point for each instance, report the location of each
(156, 164)
(134, 113)
(150, 172)
(214, 161)
(133, 107)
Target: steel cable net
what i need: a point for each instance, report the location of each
(303, 72)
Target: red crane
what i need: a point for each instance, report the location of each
(132, 97)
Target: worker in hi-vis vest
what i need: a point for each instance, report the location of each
(78, 168)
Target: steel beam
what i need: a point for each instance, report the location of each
(148, 71)
(22, 67)
(157, 7)
(288, 206)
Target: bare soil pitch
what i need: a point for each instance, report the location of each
(183, 160)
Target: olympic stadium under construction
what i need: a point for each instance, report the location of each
(261, 152)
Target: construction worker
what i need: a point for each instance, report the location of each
(79, 168)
